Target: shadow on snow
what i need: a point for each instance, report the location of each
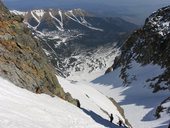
(100, 120)
(132, 96)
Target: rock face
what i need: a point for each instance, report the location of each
(22, 60)
(149, 45)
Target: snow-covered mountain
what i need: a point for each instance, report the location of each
(139, 79)
(36, 99)
(77, 41)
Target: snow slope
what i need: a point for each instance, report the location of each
(92, 102)
(137, 100)
(93, 66)
(23, 109)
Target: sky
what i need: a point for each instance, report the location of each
(132, 9)
(105, 2)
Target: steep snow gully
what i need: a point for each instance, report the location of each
(23, 109)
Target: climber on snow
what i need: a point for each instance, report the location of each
(111, 118)
(120, 122)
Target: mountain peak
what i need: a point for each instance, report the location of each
(3, 10)
(80, 12)
(159, 21)
(41, 12)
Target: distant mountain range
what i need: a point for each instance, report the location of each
(130, 10)
(72, 38)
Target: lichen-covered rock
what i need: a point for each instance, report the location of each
(22, 60)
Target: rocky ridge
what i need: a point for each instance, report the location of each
(148, 46)
(22, 60)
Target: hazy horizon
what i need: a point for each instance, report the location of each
(133, 10)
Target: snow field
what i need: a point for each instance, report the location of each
(23, 109)
(92, 100)
(137, 99)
